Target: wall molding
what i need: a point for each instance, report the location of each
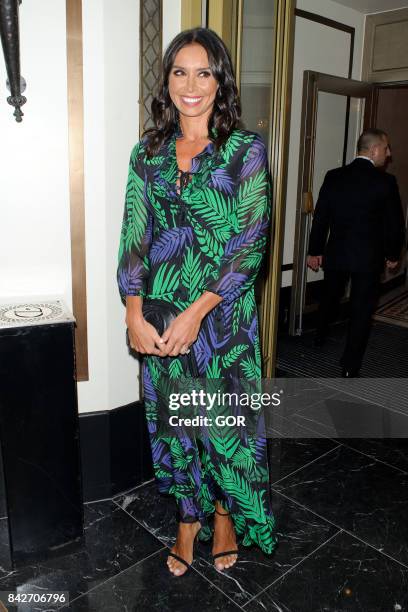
(392, 69)
(337, 25)
(76, 180)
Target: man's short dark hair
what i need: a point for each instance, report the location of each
(369, 137)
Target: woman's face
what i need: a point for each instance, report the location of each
(192, 86)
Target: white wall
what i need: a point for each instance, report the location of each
(35, 229)
(93, 394)
(171, 20)
(35, 255)
(111, 80)
(324, 49)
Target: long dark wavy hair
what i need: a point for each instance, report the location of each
(227, 108)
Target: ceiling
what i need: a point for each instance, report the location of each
(374, 6)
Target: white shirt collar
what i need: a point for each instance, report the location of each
(364, 157)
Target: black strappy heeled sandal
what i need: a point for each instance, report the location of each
(181, 560)
(225, 552)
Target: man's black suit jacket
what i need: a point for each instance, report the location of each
(361, 208)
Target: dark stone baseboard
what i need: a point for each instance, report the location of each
(115, 451)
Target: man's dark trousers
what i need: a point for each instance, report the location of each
(364, 290)
(357, 225)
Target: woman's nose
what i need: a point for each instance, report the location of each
(191, 82)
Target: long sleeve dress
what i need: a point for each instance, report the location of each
(175, 245)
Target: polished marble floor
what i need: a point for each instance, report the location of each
(341, 506)
(298, 355)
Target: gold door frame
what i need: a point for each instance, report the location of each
(278, 145)
(278, 155)
(222, 16)
(191, 14)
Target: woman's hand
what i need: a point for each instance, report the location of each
(182, 332)
(143, 337)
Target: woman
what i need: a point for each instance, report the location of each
(194, 232)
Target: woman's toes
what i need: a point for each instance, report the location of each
(178, 569)
(225, 562)
(171, 562)
(175, 566)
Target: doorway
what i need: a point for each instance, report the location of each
(334, 112)
(390, 114)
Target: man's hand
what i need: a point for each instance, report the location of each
(391, 265)
(314, 262)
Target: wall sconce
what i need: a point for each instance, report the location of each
(10, 39)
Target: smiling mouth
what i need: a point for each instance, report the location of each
(191, 101)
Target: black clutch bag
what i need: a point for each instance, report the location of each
(160, 314)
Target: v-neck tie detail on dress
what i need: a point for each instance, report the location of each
(185, 177)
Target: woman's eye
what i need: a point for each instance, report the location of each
(178, 72)
(205, 73)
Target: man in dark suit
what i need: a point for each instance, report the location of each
(360, 207)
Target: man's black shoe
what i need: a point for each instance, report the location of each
(350, 373)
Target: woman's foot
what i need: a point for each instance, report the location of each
(183, 547)
(224, 538)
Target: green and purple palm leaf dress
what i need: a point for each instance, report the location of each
(208, 235)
